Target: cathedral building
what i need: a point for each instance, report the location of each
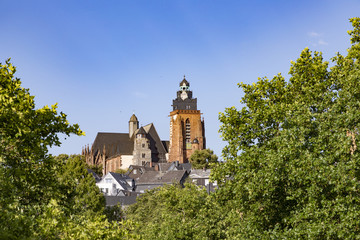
(120, 150)
(187, 129)
(141, 146)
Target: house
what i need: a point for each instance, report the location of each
(112, 184)
(201, 177)
(152, 179)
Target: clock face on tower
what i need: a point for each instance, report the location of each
(183, 95)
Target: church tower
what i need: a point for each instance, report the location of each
(133, 125)
(187, 130)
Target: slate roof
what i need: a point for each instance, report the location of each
(141, 131)
(165, 166)
(154, 177)
(121, 179)
(166, 145)
(152, 133)
(115, 143)
(186, 166)
(139, 170)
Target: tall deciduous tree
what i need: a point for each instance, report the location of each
(203, 159)
(34, 202)
(174, 212)
(292, 165)
(80, 194)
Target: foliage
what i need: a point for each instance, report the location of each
(96, 168)
(203, 159)
(77, 189)
(173, 212)
(292, 165)
(121, 171)
(114, 213)
(43, 197)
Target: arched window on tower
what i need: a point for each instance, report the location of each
(187, 134)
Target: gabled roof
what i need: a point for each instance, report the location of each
(115, 143)
(119, 178)
(139, 170)
(155, 177)
(165, 166)
(150, 130)
(141, 131)
(185, 166)
(173, 176)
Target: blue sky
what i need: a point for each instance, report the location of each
(103, 60)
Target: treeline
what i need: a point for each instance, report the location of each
(291, 166)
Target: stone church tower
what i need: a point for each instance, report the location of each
(187, 130)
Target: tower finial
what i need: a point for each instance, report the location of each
(184, 76)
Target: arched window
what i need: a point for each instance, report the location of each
(187, 130)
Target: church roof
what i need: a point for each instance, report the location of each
(141, 131)
(133, 118)
(115, 143)
(166, 145)
(152, 134)
(121, 144)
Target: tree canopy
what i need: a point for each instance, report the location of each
(292, 165)
(203, 159)
(174, 212)
(43, 197)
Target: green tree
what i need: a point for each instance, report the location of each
(77, 189)
(26, 170)
(121, 171)
(203, 159)
(174, 212)
(40, 198)
(292, 166)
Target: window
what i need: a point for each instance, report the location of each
(108, 180)
(143, 155)
(143, 145)
(187, 134)
(187, 130)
